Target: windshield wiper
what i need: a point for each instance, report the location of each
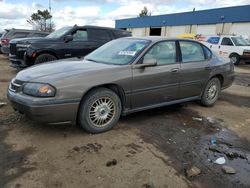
(91, 60)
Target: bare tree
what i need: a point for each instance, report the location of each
(42, 21)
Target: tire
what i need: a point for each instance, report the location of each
(235, 58)
(99, 111)
(42, 58)
(211, 92)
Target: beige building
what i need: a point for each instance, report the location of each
(231, 20)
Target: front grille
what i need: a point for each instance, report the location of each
(16, 85)
(13, 49)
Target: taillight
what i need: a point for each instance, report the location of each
(5, 41)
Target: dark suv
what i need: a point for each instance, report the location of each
(67, 42)
(17, 34)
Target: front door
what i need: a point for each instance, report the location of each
(160, 83)
(226, 47)
(195, 68)
(79, 46)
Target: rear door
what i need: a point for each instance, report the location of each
(195, 68)
(101, 36)
(157, 84)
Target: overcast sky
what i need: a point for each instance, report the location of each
(14, 13)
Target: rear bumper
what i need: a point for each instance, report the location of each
(47, 110)
(228, 80)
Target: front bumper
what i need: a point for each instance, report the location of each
(45, 110)
(17, 63)
(5, 49)
(245, 57)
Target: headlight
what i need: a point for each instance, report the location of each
(39, 90)
(23, 45)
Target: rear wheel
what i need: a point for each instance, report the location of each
(211, 92)
(99, 111)
(235, 58)
(42, 58)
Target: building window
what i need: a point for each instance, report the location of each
(155, 31)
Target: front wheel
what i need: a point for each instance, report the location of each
(235, 58)
(99, 111)
(42, 58)
(211, 92)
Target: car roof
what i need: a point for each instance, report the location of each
(99, 27)
(24, 30)
(160, 38)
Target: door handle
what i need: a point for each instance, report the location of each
(175, 70)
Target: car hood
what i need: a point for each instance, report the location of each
(31, 40)
(246, 47)
(61, 69)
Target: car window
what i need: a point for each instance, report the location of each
(191, 51)
(80, 35)
(226, 42)
(208, 53)
(39, 34)
(163, 52)
(239, 41)
(19, 35)
(121, 33)
(101, 34)
(59, 33)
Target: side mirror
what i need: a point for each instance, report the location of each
(68, 38)
(146, 63)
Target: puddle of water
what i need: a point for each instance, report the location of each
(186, 142)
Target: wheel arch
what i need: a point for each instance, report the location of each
(233, 53)
(114, 87)
(51, 52)
(219, 76)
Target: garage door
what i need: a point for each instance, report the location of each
(240, 29)
(176, 30)
(138, 32)
(206, 29)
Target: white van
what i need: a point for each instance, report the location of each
(235, 47)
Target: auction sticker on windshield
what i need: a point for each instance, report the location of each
(130, 53)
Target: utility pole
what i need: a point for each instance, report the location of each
(50, 14)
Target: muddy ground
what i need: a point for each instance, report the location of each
(149, 149)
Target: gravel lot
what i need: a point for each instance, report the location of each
(155, 148)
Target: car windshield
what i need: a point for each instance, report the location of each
(118, 52)
(239, 41)
(58, 33)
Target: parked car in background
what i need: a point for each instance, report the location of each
(121, 77)
(235, 47)
(67, 42)
(18, 33)
(1, 36)
(187, 36)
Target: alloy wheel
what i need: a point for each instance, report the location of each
(102, 111)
